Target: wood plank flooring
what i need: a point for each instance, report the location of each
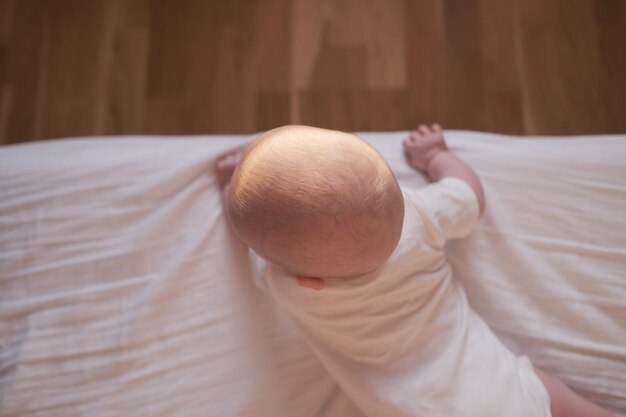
(75, 67)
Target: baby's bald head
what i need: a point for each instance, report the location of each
(316, 202)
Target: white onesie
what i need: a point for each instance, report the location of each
(402, 340)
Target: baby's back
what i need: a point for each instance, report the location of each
(403, 340)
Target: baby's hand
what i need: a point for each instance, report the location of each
(422, 145)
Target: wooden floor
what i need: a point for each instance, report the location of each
(94, 67)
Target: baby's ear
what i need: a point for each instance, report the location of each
(312, 283)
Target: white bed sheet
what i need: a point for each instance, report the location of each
(123, 293)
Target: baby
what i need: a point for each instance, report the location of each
(359, 265)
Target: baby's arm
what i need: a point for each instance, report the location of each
(427, 152)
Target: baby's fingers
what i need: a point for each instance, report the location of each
(407, 144)
(414, 136)
(423, 129)
(413, 142)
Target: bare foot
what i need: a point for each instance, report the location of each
(225, 165)
(422, 144)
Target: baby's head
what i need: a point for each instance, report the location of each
(316, 202)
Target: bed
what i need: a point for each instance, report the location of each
(123, 292)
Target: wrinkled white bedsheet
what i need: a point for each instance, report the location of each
(122, 291)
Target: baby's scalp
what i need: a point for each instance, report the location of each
(316, 202)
